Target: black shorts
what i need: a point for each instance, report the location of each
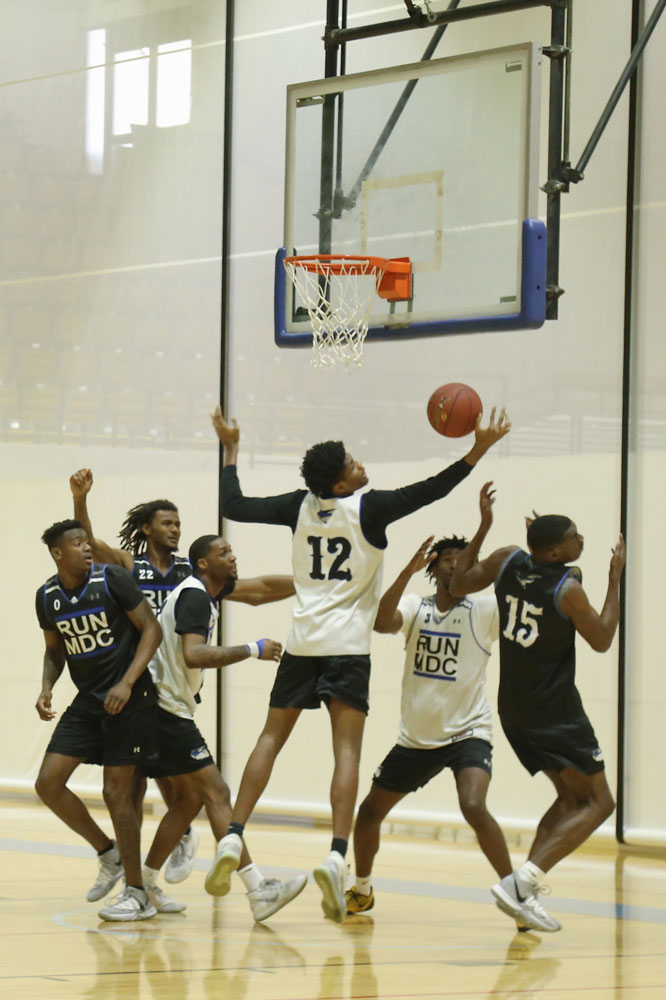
(182, 747)
(110, 740)
(569, 744)
(404, 769)
(306, 681)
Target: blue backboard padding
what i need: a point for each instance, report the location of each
(532, 301)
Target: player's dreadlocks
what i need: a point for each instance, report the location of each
(437, 548)
(131, 535)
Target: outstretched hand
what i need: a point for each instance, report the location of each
(486, 501)
(618, 558)
(530, 520)
(229, 434)
(421, 558)
(486, 437)
(496, 429)
(269, 649)
(80, 483)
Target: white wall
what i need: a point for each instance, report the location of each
(130, 259)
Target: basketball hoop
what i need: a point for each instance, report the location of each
(339, 292)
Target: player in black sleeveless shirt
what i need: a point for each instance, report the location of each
(96, 620)
(542, 605)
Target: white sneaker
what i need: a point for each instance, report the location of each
(273, 894)
(132, 904)
(110, 870)
(227, 860)
(164, 903)
(519, 900)
(330, 877)
(181, 859)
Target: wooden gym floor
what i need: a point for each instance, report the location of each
(434, 932)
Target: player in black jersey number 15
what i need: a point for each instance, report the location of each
(542, 605)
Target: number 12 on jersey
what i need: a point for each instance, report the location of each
(522, 624)
(340, 548)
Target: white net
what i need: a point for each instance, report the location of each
(339, 298)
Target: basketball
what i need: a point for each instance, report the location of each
(453, 409)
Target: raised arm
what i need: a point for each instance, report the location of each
(480, 575)
(262, 589)
(54, 663)
(389, 619)
(282, 509)
(80, 485)
(229, 435)
(145, 622)
(469, 574)
(597, 629)
(200, 656)
(380, 508)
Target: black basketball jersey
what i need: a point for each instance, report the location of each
(537, 645)
(156, 586)
(99, 639)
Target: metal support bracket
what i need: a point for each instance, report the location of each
(556, 51)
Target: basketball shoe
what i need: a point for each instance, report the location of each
(519, 899)
(273, 894)
(357, 902)
(110, 870)
(227, 860)
(131, 904)
(181, 859)
(330, 877)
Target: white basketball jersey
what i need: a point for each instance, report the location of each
(176, 683)
(337, 577)
(444, 681)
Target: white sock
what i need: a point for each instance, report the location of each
(149, 877)
(530, 873)
(363, 885)
(251, 877)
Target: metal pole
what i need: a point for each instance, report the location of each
(555, 185)
(224, 323)
(339, 36)
(327, 167)
(576, 174)
(629, 268)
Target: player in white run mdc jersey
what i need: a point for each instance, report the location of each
(445, 716)
(188, 619)
(339, 537)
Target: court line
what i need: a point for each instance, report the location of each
(402, 887)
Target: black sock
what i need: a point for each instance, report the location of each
(339, 844)
(106, 849)
(236, 828)
(188, 832)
